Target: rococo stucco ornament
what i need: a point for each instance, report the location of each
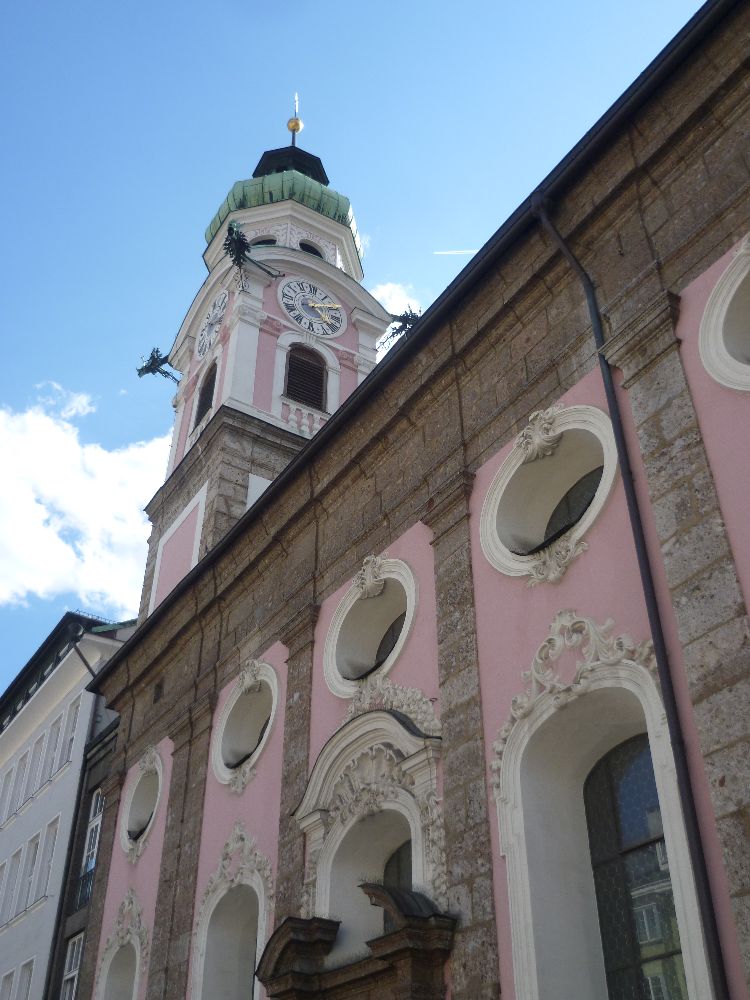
(149, 762)
(241, 862)
(129, 929)
(549, 564)
(378, 692)
(369, 580)
(541, 435)
(568, 631)
(248, 679)
(368, 782)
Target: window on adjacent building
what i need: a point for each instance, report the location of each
(9, 895)
(94, 829)
(306, 377)
(205, 395)
(32, 779)
(6, 985)
(48, 853)
(26, 893)
(72, 965)
(19, 782)
(50, 758)
(70, 730)
(24, 981)
(640, 939)
(5, 794)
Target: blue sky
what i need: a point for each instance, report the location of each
(125, 126)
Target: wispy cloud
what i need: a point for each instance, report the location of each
(65, 403)
(71, 517)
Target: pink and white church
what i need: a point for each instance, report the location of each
(440, 682)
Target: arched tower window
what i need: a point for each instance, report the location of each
(640, 939)
(306, 376)
(310, 248)
(206, 395)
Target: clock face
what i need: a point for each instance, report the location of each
(212, 322)
(312, 308)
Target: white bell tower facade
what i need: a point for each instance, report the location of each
(267, 354)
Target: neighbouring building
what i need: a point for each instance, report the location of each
(441, 680)
(46, 719)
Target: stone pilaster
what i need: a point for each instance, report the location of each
(173, 920)
(297, 636)
(111, 789)
(474, 960)
(706, 595)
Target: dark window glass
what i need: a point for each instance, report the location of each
(640, 940)
(569, 510)
(306, 377)
(310, 248)
(397, 875)
(265, 242)
(389, 640)
(206, 395)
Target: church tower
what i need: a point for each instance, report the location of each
(266, 354)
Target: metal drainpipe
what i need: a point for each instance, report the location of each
(685, 788)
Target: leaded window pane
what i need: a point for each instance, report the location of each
(640, 939)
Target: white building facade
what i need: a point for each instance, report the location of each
(46, 717)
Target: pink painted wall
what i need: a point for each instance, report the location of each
(258, 805)
(143, 876)
(513, 620)
(177, 556)
(416, 665)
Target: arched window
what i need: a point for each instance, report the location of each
(206, 395)
(306, 375)
(121, 974)
(640, 939)
(310, 248)
(376, 849)
(264, 241)
(229, 969)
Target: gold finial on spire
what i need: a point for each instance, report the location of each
(295, 124)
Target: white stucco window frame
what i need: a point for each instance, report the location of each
(556, 939)
(129, 929)
(198, 500)
(717, 360)
(241, 863)
(252, 674)
(342, 791)
(333, 372)
(537, 442)
(149, 763)
(375, 572)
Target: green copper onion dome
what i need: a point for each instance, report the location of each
(287, 174)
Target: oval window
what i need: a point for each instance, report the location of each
(371, 631)
(246, 726)
(546, 498)
(143, 805)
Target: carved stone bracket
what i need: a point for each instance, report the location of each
(378, 692)
(644, 339)
(568, 631)
(541, 435)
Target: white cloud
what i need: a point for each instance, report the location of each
(64, 402)
(396, 298)
(71, 518)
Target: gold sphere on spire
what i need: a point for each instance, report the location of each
(295, 124)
